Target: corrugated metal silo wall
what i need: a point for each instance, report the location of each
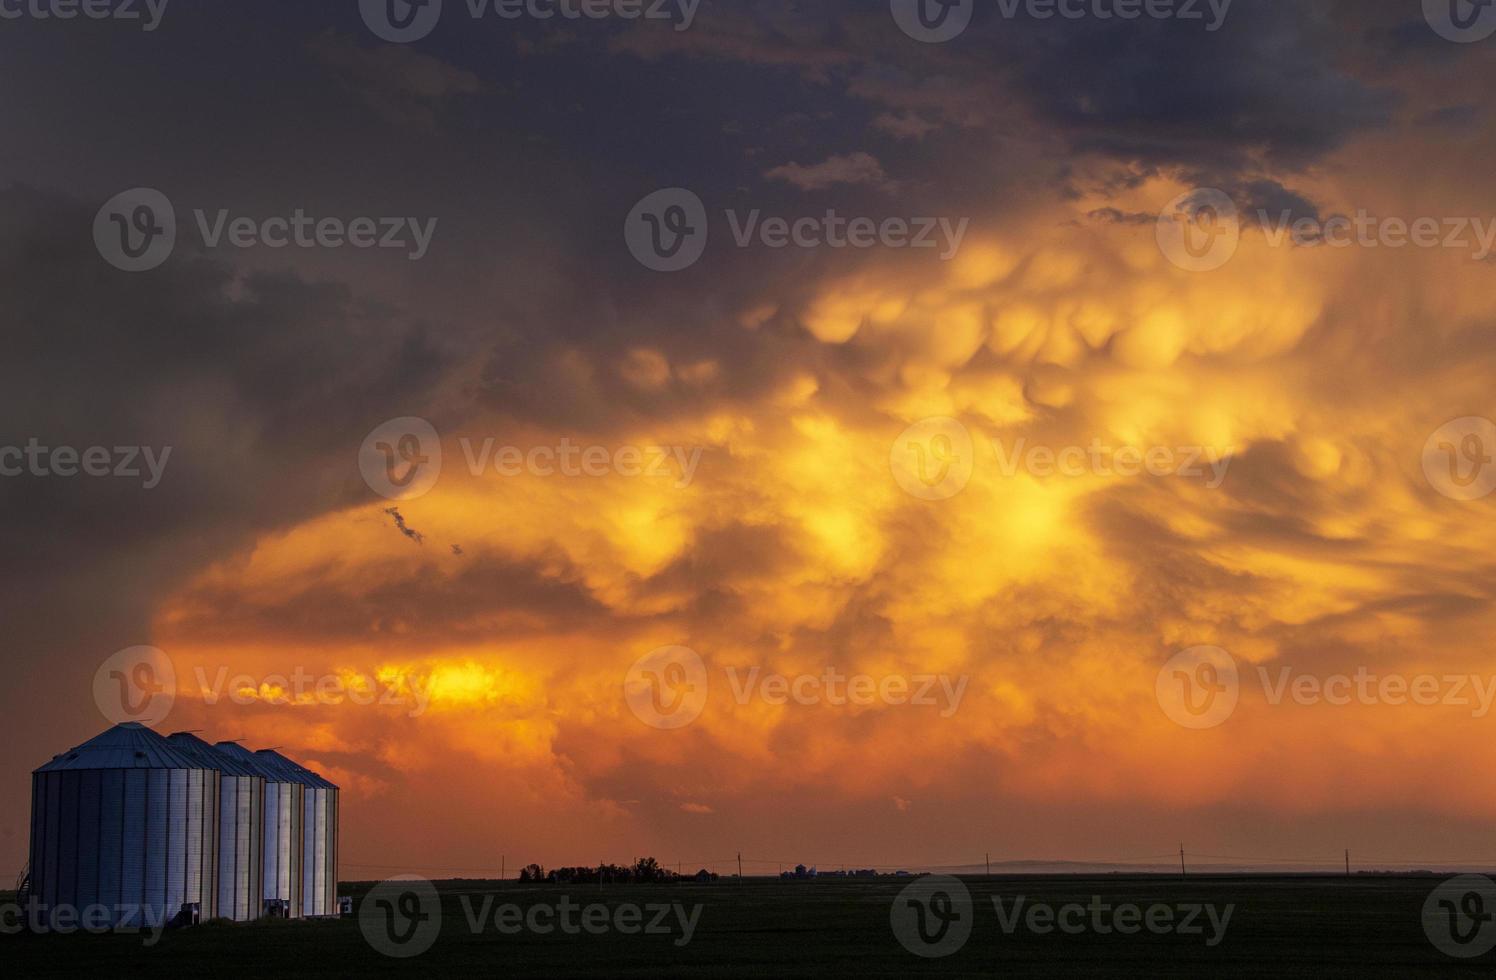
(241, 866)
(284, 841)
(131, 841)
(320, 852)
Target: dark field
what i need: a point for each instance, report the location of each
(1281, 926)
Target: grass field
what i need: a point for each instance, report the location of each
(1298, 926)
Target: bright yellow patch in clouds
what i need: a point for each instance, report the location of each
(1056, 596)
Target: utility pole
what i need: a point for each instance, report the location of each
(1347, 862)
(989, 864)
(502, 866)
(740, 865)
(1182, 873)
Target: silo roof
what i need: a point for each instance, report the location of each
(130, 745)
(257, 765)
(189, 744)
(295, 772)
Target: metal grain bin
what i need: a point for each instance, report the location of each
(241, 834)
(128, 823)
(319, 863)
(283, 839)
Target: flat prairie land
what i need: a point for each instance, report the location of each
(1030, 926)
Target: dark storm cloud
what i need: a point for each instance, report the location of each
(425, 604)
(262, 385)
(1166, 93)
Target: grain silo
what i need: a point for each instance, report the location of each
(319, 863)
(241, 836)
(128, 823)
(283, 838)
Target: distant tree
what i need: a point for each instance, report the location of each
(532, 872)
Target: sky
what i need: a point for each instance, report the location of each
(771, 427)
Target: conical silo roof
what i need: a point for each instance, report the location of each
(256, 765)
(130, 745)
(294, 771)
(189, 744)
